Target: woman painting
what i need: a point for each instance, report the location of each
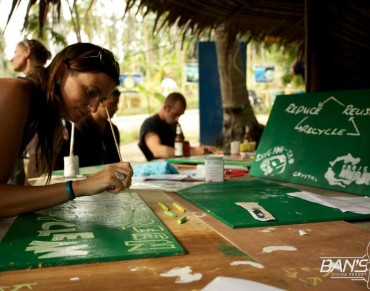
(70, 87)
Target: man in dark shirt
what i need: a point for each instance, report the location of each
(94, 143)
(158, 132)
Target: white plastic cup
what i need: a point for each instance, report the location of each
(71, 166)
(234, 147)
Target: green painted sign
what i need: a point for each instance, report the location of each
(100, 228)
(318, 139)
(219, 200)
(87, 171)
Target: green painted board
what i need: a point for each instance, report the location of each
(218, 199)
(83, 171)
(199, 160)
(100, 228)
(318, 139)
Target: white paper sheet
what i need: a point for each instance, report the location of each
(356, 204)
(235, 284)
(171, 177)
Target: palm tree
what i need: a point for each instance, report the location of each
(237, 110)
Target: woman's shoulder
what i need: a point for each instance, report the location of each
(15, 96)
(21, 82)
(16, 87)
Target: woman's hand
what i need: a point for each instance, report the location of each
(113, 178)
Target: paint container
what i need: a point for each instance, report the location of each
(71, 166)
(214, 168)
(234, 147)
(248, 147)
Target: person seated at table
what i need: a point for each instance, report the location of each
(94, 143)
(29, 55)
(158, 132)
(72, 87)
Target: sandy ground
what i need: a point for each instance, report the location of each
(189, 123)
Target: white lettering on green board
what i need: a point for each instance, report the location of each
(140, 245)
(57, 249)
(64, 240)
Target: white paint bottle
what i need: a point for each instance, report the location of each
(214, 168)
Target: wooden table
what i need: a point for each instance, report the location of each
(299, 268)
(212, 249)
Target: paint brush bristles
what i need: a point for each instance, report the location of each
(114, 136)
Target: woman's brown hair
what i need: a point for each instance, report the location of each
(79, 57)
(38, 51)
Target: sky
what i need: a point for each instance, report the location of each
(13, 33)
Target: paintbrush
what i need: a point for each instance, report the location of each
(114, 136)
(72, 141)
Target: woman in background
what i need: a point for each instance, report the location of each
(29, 55)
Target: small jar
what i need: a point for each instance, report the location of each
(214, 168)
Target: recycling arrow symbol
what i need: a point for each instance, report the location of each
(308, 129)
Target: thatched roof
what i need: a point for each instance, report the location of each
(275, 20)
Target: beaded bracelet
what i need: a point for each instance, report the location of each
(71, 195)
